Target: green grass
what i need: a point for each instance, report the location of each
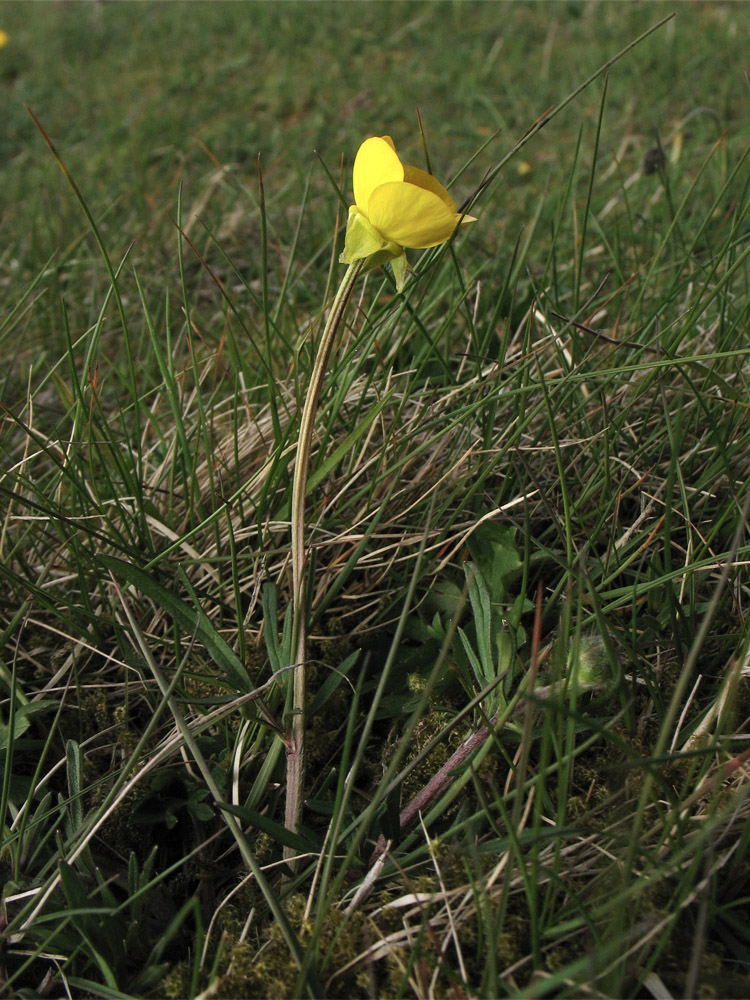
(526, 512)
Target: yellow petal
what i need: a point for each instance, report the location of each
(413, 175)
(411, 216)
(376, 163)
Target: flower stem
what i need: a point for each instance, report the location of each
(296, 742)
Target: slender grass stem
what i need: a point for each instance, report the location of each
(296, 744)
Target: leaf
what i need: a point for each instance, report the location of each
(100, 929)
(484, 626)
(446, 596)
(493, 549)
(279, 652)
(192, 620)
(329, 685)
(276, 831)
(20, 725)
(22, 720)
(73, 763)
(471, 656)
(202, 811)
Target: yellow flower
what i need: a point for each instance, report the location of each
(396, 206)
(3, 38)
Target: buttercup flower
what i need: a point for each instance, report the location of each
(396, 206)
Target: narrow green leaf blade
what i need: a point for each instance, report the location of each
(192, 620)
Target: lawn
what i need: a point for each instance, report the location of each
(516, 574)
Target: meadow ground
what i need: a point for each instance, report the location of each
(528, 683)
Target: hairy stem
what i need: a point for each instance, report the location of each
(296, 743)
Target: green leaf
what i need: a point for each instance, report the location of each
(331, 683)
(201, 811)
(192, 620)
(20, 725)
(472, 657)
(484, 626)
(279, 652)
(446, 596)
(99, 928)
(493, 549)
(276, 831)
(22, 720)
(73, 762)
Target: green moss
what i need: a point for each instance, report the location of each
(177, 982)
(126, 738)
(336, 644)
(94, 715)
(262, 967)
(427, 729)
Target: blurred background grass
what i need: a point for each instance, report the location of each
(136, 95)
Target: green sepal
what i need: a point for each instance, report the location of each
(364, 241)
(399, 266)
(362, 238)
